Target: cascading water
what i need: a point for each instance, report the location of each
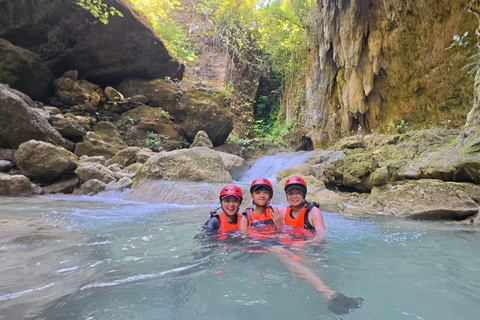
(110, 257)
(268, 166)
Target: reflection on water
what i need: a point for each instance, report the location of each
(114, 259)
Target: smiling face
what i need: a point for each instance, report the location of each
(230, 205)
(261, 196)
(295, 197)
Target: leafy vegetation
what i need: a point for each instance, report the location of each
(99, 10)
(160, 13)
(154, 142)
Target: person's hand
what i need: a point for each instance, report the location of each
(277, 218)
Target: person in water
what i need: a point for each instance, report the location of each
(307, 216)
(300, 213)
(229, 219)
(261, 214)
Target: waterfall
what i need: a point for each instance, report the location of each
(203, 193)
(268, 166)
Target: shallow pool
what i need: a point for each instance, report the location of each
(131, 260)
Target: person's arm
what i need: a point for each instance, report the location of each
(315, 218)
(213, 224)
(278, 215)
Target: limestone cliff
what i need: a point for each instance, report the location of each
(378, 62)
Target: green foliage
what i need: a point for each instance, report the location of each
(445, 123)
(99, 10)
(160, 13)
(400, 128)
(154, 142)
(458, 41)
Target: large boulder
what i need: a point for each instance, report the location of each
(25, 71)
(427, 199)
(19, 122)
(125, 157)
(44, 161)
(68, 127)
(138, 125)
(193, 108)
(15, 185)
(68, 37)
(89, 170)
(195, 164)
(235, 165)
(71, 92)
(104, 140)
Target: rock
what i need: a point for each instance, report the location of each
(93, 186)
(113, 95)
(329, 201)
(7, 154)
(145, 154)
(235, 165)
(121, 184)
(25, 71)
(352, 143)
(202, 140)
(52, 110)
(184, 107)
(69, 128)
(132, 169)
(90, 170)
(125, 157)
(70, 93)
(145, 122)
(64, 186)
(19, 123)
(95, 159)
(428, 199)
(195, 164)
(104, 140)
(15, 185)
(44, 161)
(62, 33)
(114, 168)
(351, 171)
(304, 169)
(5, 165)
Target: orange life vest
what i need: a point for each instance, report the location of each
(301, 221)
(225, 225)
(253, 218)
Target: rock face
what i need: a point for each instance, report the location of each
(68, 37)
(104, 140)
(19, 122)
(429, 199)
(195, 164)
(138, 123)
(194, 109)
(44, 161)
(25, 71)
(380, 62)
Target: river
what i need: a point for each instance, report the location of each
(112, 257)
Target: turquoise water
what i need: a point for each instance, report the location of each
(129, 260)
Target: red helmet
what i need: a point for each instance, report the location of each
(261, 182)
(296, 182)
(231, 190)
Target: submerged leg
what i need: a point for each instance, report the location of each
(337, 303)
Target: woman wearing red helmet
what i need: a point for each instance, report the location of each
(300, 213)
(261, 191)
(230, 199)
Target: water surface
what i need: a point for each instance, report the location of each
(110, 258)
